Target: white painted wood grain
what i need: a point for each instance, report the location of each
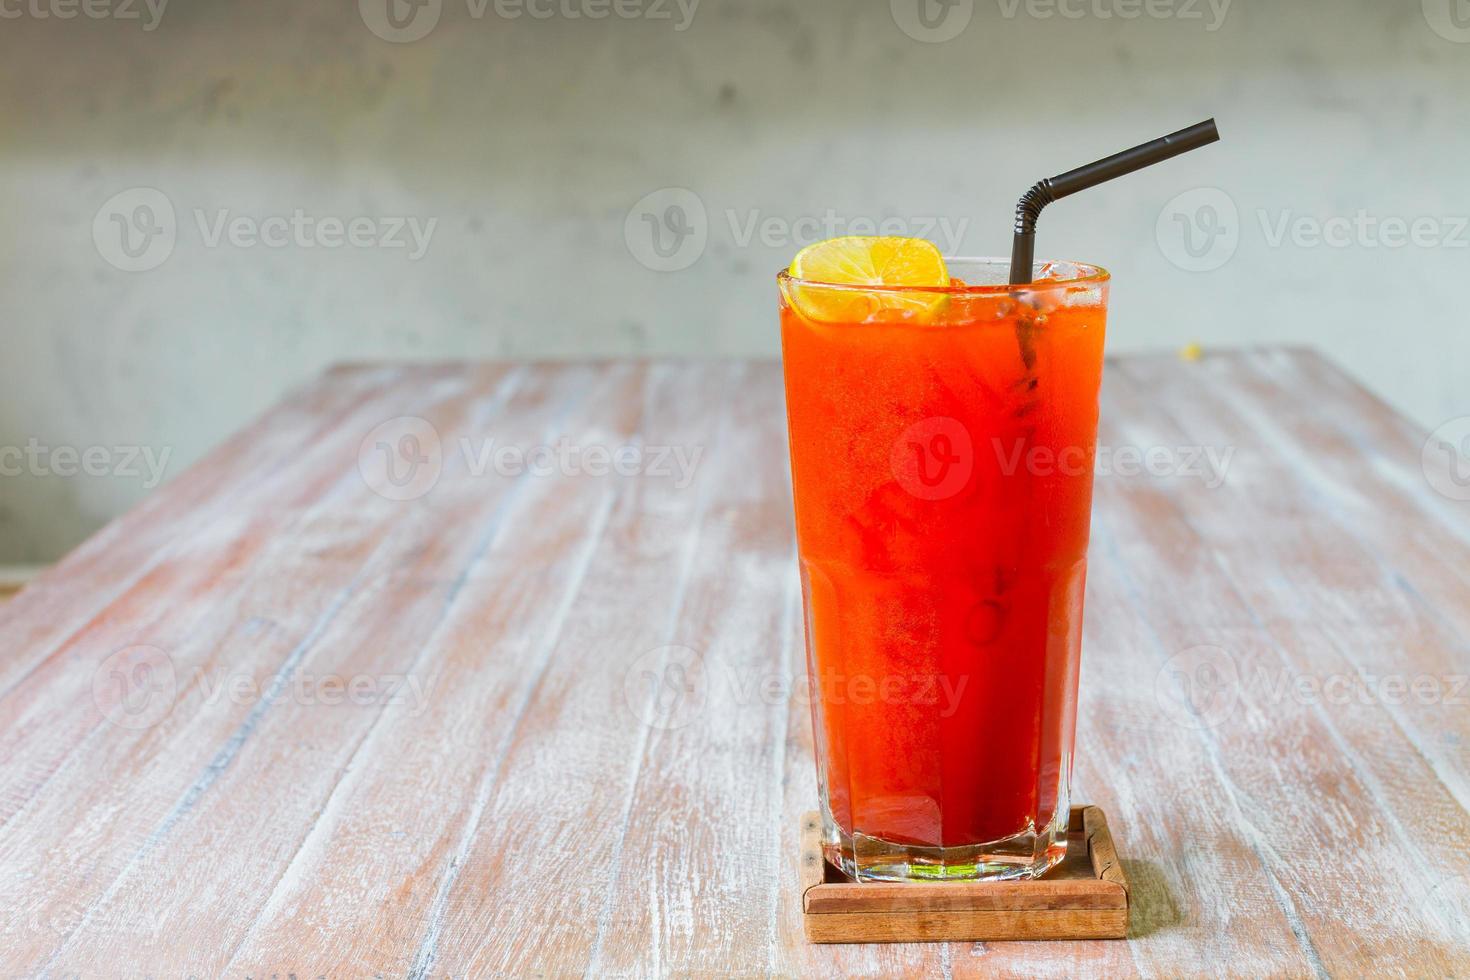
(524, 819)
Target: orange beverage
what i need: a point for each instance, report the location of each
(942, 451)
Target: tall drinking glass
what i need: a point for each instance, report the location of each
(942, 451)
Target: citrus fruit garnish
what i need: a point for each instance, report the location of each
(828, 272)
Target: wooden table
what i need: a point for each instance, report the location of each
(292, 716)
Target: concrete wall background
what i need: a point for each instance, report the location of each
(532, 141)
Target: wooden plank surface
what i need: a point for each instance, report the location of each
(547, 718)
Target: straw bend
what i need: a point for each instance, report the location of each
(1049, 189)
(1030, 205)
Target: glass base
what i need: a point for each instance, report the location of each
(1029, 854)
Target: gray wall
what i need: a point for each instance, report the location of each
(532, 141)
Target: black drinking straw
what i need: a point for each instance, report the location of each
(1051, 188)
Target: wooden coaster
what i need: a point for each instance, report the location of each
(1083, 897)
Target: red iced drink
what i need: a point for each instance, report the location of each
(942, 451)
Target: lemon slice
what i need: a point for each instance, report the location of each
(867, 261)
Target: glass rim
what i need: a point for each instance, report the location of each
(1091, 275)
